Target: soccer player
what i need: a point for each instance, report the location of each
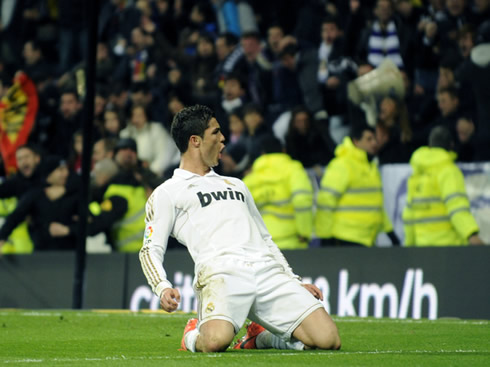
(239, 271)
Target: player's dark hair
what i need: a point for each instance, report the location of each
(190, 121)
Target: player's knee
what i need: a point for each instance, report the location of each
(215, 344)
(330, 341)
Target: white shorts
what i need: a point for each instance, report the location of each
(234, 290)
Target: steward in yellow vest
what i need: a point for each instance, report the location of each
(350, 207)
(437, 212)
(283, 194)
(121, 213)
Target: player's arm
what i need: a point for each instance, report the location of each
(160, 217)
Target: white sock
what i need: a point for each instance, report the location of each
(267, 340)
(190, 340)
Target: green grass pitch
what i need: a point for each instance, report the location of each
(104, 338)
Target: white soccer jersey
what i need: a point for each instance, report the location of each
(212, 215)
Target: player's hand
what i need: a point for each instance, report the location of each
(169, 299)
(313, 289)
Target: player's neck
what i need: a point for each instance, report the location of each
(194, 166)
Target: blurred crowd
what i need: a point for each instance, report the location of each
(284, 68)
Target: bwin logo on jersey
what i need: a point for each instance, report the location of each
(207, 198)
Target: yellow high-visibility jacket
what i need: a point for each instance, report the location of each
(128, 232)
(284, 196)
(437, 212)
(350, 201)
(19, 241)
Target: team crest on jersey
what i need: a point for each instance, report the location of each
(210, 307)
(148, 232)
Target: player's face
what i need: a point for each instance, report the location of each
(212, 144)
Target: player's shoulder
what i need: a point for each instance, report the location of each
(233, 181)
(169, 187)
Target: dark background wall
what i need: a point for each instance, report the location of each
(381, 282)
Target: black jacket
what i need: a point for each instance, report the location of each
(43, 211)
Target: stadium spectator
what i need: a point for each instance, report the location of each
(334, 69)
(449, 108)
(476, 71)
(257, 128)
(272, 50)
(154, 144)
(119, 99)
(437, 212)
(28, 175)
(480, 12)
(350, 208)
(103, 149)
(234, 159)
(47, 207)
(256, 69)
(393, 131)
(35, 65)
(74, 160)
(103, 172)
(116, 20)
(283, 194)
(456, 15)
(121, 214)
(126, 157)
(73, 36)
(466, 140)
(304, 143)
(246, 250)
(202, 66)
(299, 72)
(228, 53)
(113, 122)
(154, 103)
(201, 18)
(234, 96)
(64, 124)
(121, 194)
(386, 37)
(13, 189)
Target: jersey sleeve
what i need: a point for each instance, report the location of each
(257, 218)
(160, 217)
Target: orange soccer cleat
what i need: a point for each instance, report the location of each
(248, 341)
(191, 325)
